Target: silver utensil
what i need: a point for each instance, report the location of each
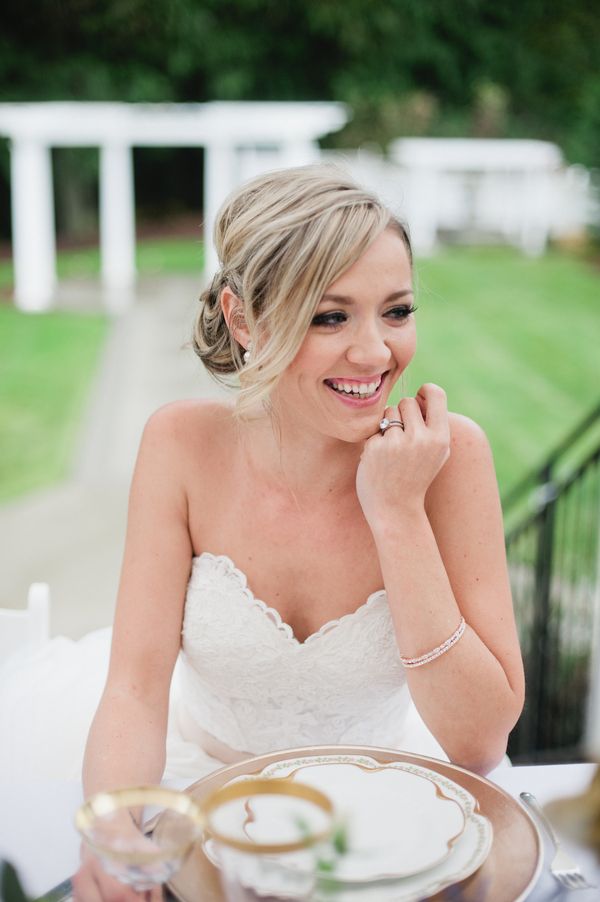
(562, 866)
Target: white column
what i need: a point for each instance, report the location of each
(220, 177)
(117, 224)
(34, 246)
(421, 208)
(534, 225)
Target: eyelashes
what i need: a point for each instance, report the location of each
(402, 311)
(334, 318)
(329, 319)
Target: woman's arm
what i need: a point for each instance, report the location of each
(126, 745)
(432, 503)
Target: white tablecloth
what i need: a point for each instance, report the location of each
(37, 833)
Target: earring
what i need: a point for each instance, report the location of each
(247, 355)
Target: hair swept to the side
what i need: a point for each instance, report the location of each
(282, 239)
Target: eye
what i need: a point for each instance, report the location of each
(400, 311)
(331, 318)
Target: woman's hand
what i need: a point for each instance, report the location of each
(397, 468)
(91, 883)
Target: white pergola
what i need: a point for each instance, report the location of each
(239, 140)
(511, 187)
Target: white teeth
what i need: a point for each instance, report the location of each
(359, 389)
(368, 389)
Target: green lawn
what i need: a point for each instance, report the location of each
(47, 362)
(514, 342)
(169, 255)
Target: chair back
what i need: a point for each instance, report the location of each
(27, 628)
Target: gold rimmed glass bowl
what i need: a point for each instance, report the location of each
(109, 824)
(268, 837)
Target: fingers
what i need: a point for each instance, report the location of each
(409, 414)
(91, 884)
(433, 405)
(85, 888)
(428, 407)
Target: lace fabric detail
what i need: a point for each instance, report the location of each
(250, 683)
(225, 565)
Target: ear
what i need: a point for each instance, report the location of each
(234, 316)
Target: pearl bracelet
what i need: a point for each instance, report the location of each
(438, 650)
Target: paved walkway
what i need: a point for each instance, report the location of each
(71, 535)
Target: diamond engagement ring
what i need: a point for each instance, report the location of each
(386, 424)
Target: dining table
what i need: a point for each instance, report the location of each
(38, 836)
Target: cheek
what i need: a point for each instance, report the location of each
(314, 356)
(406, 347)
(301, 372)
(413, 346)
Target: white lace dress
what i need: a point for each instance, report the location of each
(243, 685)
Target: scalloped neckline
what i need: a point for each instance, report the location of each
(273, 614)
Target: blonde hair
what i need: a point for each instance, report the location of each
(282, 239)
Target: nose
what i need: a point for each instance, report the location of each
(368, 348)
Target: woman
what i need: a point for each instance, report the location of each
(373, 533)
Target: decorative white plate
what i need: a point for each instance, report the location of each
(405, 823)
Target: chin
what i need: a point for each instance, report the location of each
(359, 434)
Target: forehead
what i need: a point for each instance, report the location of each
(385, 263)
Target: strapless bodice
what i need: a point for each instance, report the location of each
(248, 681)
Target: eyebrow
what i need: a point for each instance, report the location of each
(346, 300)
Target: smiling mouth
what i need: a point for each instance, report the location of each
(349, 388)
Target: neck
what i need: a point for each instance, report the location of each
(308, 465)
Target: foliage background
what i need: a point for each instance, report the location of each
(406, 67)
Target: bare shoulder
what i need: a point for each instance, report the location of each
(465, 432)
(179, 435)
(188, 422)
(468, 441)
(469, 468)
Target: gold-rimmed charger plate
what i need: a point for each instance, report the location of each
(508, 874)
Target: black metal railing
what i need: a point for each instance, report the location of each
(553, 549)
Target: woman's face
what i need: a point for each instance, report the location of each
(362, 337)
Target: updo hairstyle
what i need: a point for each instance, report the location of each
(282, 239)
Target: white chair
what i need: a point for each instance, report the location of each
(29, 628)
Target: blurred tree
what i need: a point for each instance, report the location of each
(512, 67)
(583, 142)
(76, 177)
(490, 109)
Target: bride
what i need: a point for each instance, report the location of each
(331, 567)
